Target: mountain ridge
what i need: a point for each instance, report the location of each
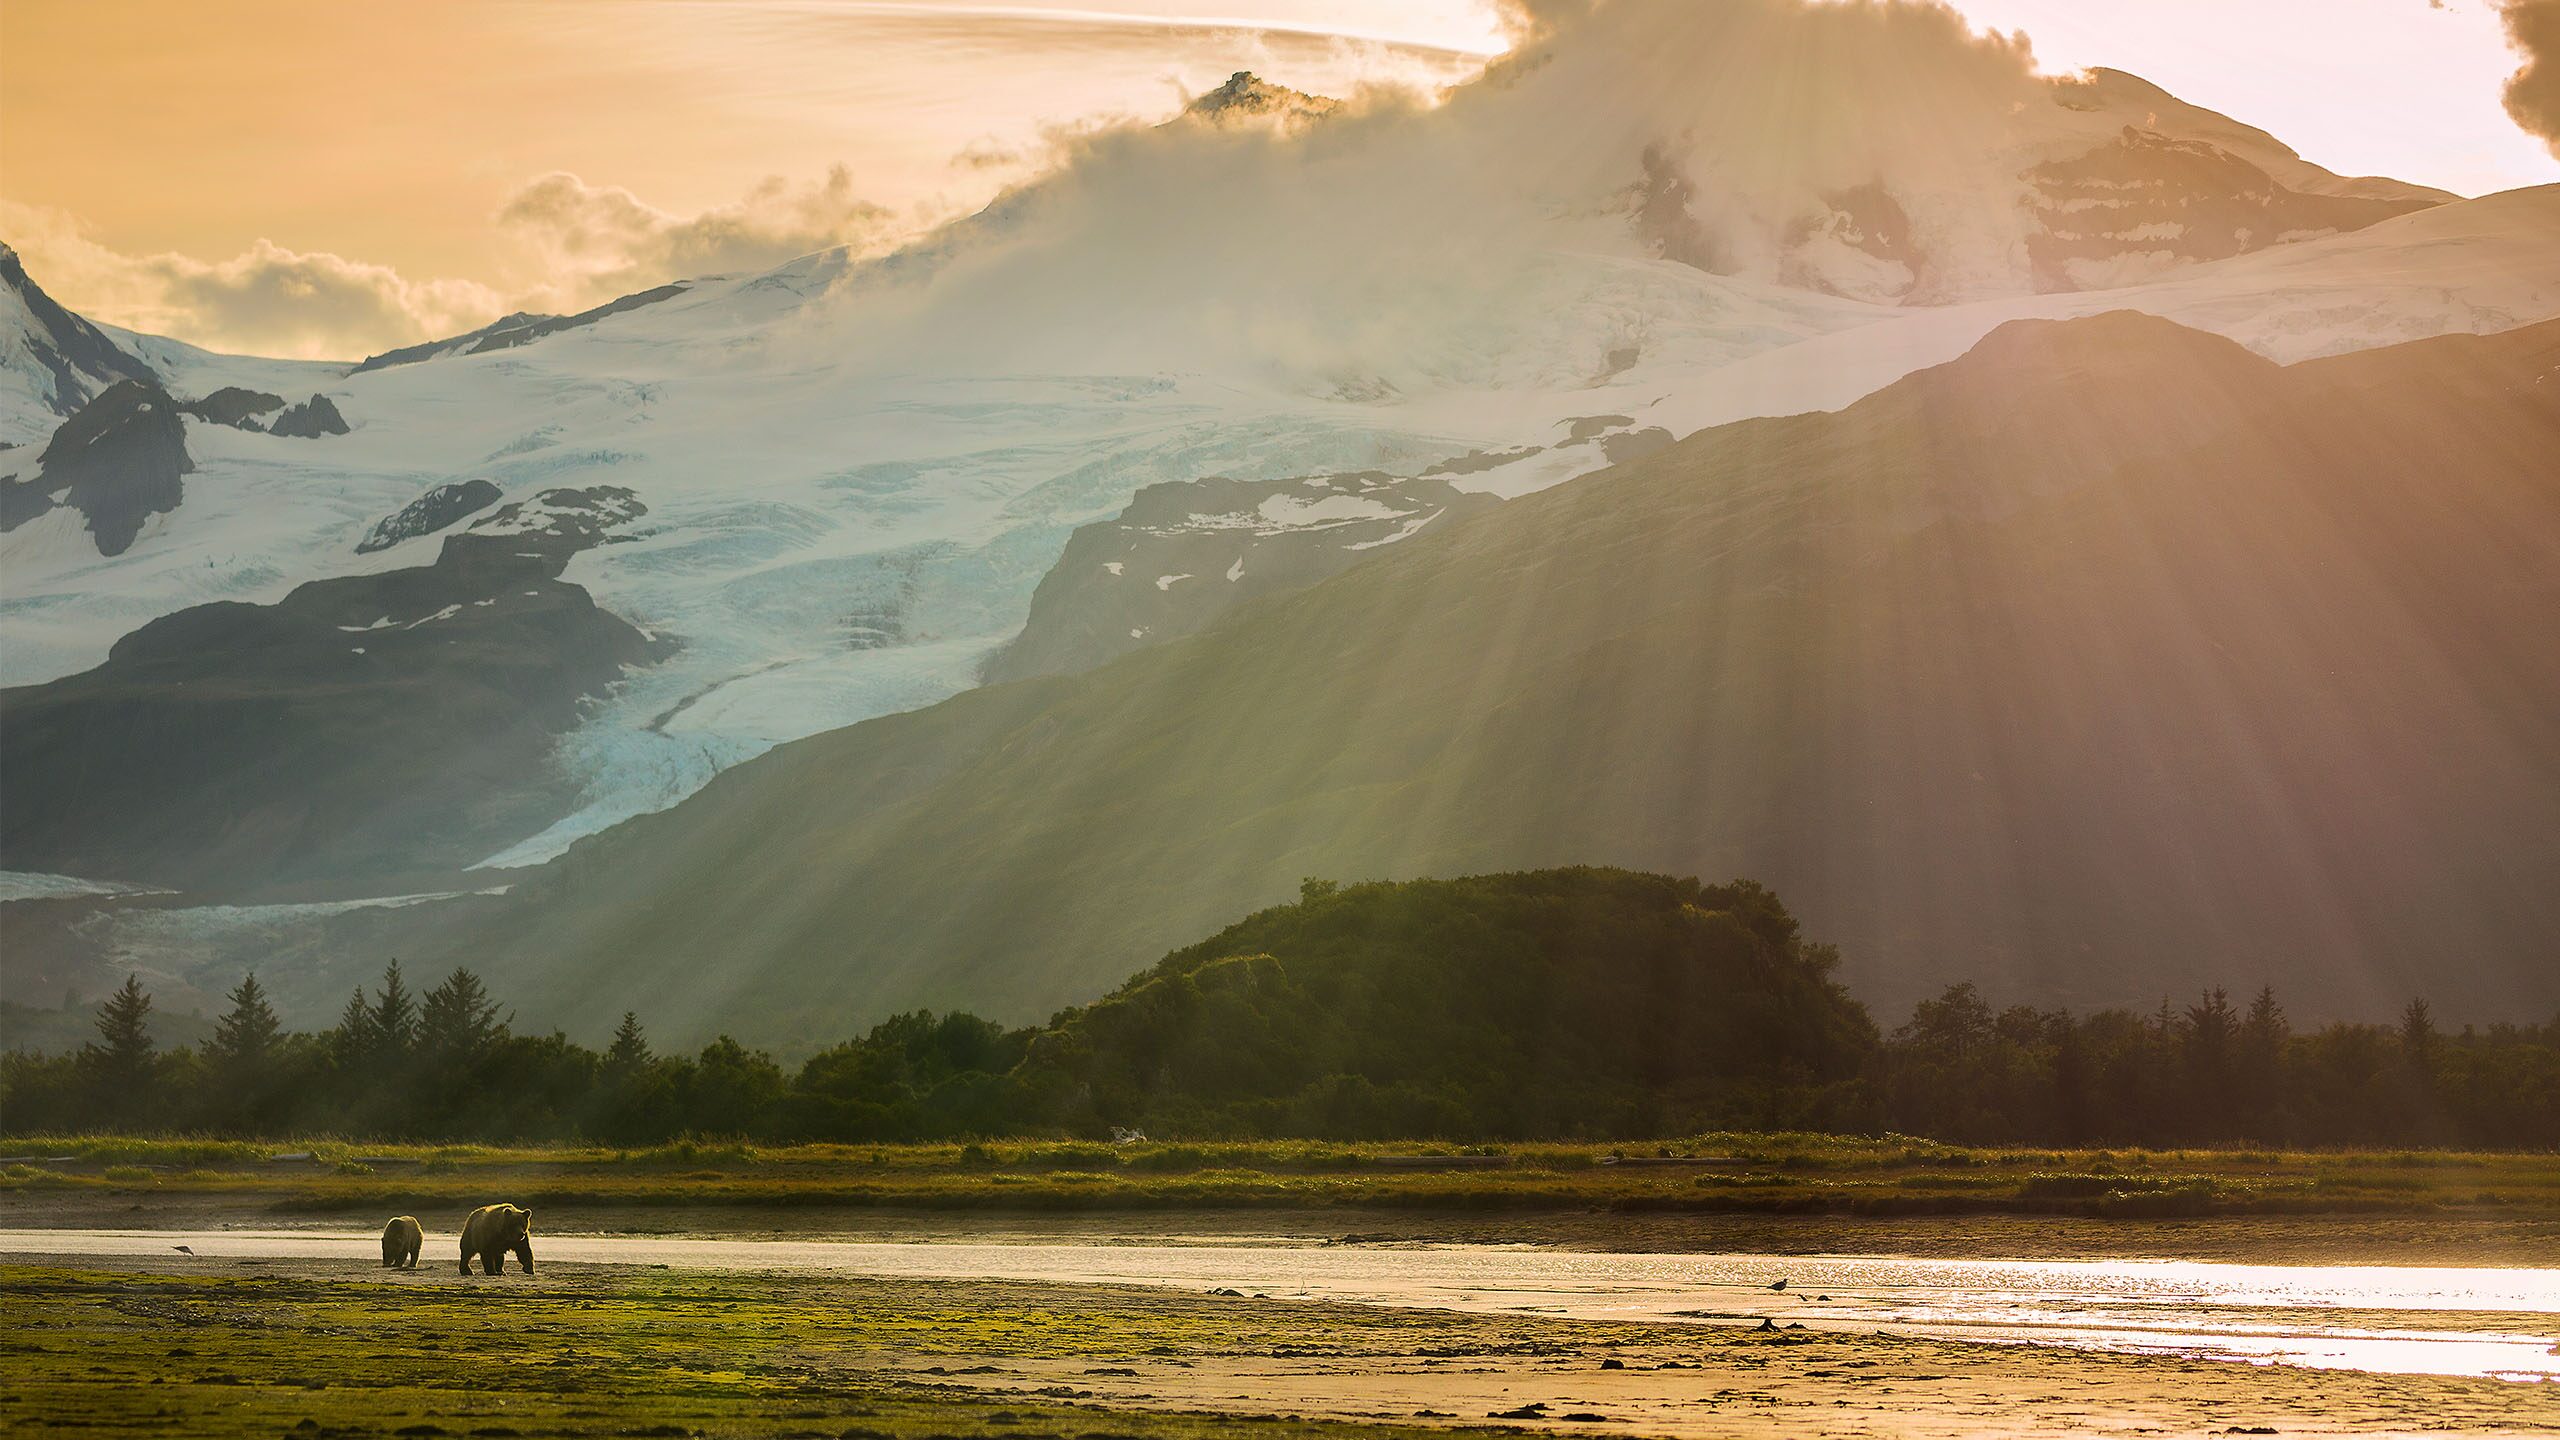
(1020, 842)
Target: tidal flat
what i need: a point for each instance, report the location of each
(221, 1346)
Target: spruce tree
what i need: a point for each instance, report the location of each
(123, 1052)
(2263, 1036)
(629, 1052)
(2418, 1034)
(354, 1040)
(458, 1022)
(120, 1065)
(245, 1039)
(395, 1014)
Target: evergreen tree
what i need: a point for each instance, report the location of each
(355, 1040)
(395, 1014)
(2263, 1036)
(123, 1052)
(2418, 1033)
(2213, 1039)
(119, 1066)
(2266, 1027)
(246, 1038)
(458, 1022)
(629, 1052)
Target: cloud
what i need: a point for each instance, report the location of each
(582, 245)
(1404, 237)
(1401, 239)
(2533, 94)
(267, 300)
(597, 241)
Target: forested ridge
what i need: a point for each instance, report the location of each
(1584, 1003)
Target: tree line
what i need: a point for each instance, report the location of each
(1562, 1004)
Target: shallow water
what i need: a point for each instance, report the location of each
(2501, 1323)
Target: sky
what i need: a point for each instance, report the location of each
(293, 177)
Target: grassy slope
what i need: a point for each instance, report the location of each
(2106, 661)
(1717, 1174)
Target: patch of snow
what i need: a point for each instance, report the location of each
(1167, 582)
(1406, 531)
(37, 885)
(1235, 572)
(1290, 512)
(1115, 567)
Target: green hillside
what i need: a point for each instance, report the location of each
(2106, 662)
(1554, 1003)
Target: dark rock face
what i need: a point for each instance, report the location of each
(234, 406)
(117, 462)
(429, 513)
(2148, 202)
(364, 726)
(556, 523)
(1866, 219)
(2181, 188)
(1185, 553)
(310, 420)
(521, 328)
(1249, 95)
(77, 355)
(1665, 222)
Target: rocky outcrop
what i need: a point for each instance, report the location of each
(75, 360)
(557, 523)
(2115, 184)
(366, 726)
(429, 513)
(1247, 96)
(1185, 553)
(310, 420)
(118, 462)
(235, 406)
(2149, 203)
(521, 328)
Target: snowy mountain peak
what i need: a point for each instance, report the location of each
(1246, 95)
(51, 360)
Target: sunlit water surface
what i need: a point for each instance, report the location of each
(2501, 1323)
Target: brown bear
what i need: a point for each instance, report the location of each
(401, 1241)
(491, 1232)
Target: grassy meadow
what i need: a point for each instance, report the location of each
(1741, 1174)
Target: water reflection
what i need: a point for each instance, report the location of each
(2391, 1319)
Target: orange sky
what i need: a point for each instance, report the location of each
(298, 177)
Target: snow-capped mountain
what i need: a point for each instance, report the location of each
(51, 360)
(847, 480)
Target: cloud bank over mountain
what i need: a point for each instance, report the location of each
(1361, 252)
(581, 244)
(597, 241)
(267, 299)
(2533, 95)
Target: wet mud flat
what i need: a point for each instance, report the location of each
(224, 1345)
(2527, 1236)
